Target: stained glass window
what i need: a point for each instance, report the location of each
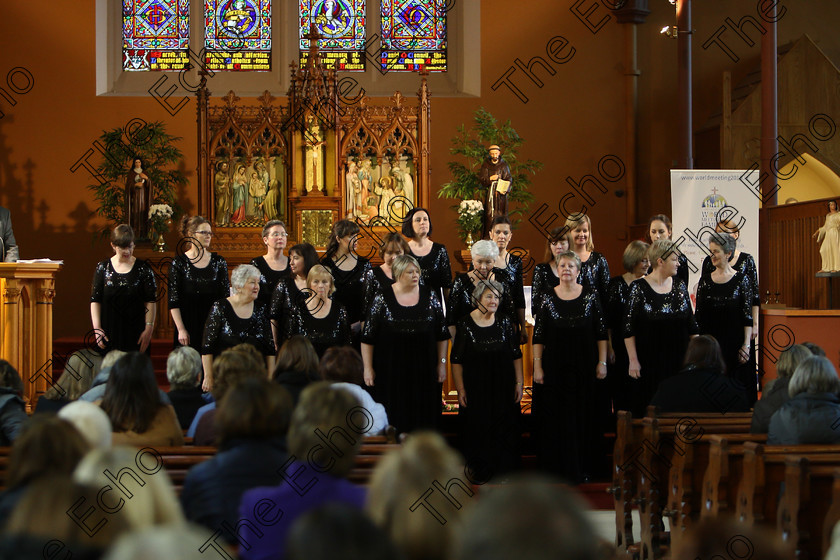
(156, 34)
(237, 34)
(413, 35)
(341, 25)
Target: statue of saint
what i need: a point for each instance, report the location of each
(239, 195)
(829, 235)
(138, 199)
(221, 188)
(495, 176)
(363, 197)
(353, 187)
(315, 143)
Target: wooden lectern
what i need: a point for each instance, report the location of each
(26, 334)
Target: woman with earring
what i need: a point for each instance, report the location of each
(434, 260)
(197, 279)
(274, 265)
(349, 270)
(659, 227)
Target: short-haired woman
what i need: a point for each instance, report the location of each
(404, 346)
(501, 232)
(392, 247)
(775, 393)
(236, 319)
(659, 227)
(274, 265)
(545, 276)
(197, 279)
(291, 291)
(122, 301)
(432, 257)
(349, 270)
(321, 319)
(813, 412)
(183, 369)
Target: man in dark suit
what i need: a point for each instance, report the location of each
(8, 245)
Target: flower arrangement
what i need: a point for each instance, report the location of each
(470, 216)
(160, 215)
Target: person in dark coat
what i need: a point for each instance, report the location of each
(183, 369)
(812, 415)
(701, 386)
(297, 366)
(775, 393)
(12, 407)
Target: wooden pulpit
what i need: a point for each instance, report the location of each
(26, 334)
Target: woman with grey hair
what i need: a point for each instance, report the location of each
(775, 393)
(812, 415)
(487, 370)
(237, 319)
(461, 301)
(404, 345)
(183, 369)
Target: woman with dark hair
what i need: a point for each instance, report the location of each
(122, 300)
(659, 227)
(274, 265)
(432, 257)
(404, 346)
(297, 366)
(545, 276)
(197, 279)
(321, 319)
(724, 306)
(252, 420)
(290, 291)
(775, 393)
(12, 408)
(133, 404)
(594, 270)
(501, 232)
(392, 247)
(343, 367)
(701, 386)
(658, 324)
(350, 271)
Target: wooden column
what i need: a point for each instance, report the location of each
(684, 32)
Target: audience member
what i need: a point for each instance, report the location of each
(775, 393)
(183, 369)
(343, 366)
(97, 388)
(12, 407)
(133, 404)
(162, 543)
(79, 371)
(815, 349)
(338, 531)
(812, 415)
(252, 420)
(297, 366)
(91, 421)
(323, 412)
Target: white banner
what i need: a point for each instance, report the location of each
(700, 198)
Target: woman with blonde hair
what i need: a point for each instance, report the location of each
(321, 319)
(594, 270)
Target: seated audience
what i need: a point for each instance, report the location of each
(338, 531)
(183, 369)
(252, 420)
(91, 421)
(775, 393)
(812, 415)
(12, 407)
(343, 367)
(78, 375)
(48, 522)
(701, 386)
(133, 404)
(815, 349)
(297, 366)
(47, 447)
(552, 517)
(97, 386)
(322, 412)
(725, 537)
(405, 476)
(163, 543)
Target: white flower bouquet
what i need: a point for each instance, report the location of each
(470, 217)
(160, 216)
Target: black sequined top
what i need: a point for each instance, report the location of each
(386, 314)
(375, 283)
(194, 290)
(350, 286)
(123, 299)
(746, 266)
(723, 310)
(583, 312)
(595, 274)
(323, 333)
(618, 294)
(651, 314)
(435, 269)
(225, 329)
(461, 302)
(269, 279)
(544, 281)
(498, 338)
(285, 299)
(682, 268)
(513, 266)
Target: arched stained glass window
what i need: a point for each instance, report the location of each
(413, 35)
(156, 34)
(237, 35)
(341, 25)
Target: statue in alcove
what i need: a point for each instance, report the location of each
(315, 143)
(138, 199)
(494, 175)
(221, 187)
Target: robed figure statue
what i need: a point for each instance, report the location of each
(494, 175)
(138, 199)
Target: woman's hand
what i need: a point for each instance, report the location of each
(462, 399)
(610, 354)
(207, 384)
(369, 376)
(635, 369)
(101, 339)
(601, 370)
(744, 354)
(145, 338)
(183, 337)
(539, 376)
(517, 396)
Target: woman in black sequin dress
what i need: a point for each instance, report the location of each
(349, 270)
(434, 260)
(501, 233)
(636, 265)
(594, 270)
(291, 290)
(237, 319)
(570, 353)
(487, 371)
(545, 276)
(274, 265)
(404, 346)
(659, 323)
(392, 247)
(659, 227)
(197, 279)
(122, 300)
(724, 311)
(320, 319)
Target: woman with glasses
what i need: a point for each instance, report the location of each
(274, 265)
(197, 278)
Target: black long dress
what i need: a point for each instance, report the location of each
(513, 267)
(375, 284)
(543, 281)
(595, 274)
(225, 329)
(325, 332)
(285, 300)
(662, 325)
(490, 421)
(194, 290)
(569, 331)
(618, 294)
(405, 360)
(435, 270)
(461, 302)
(723, 310)
(350, 286)
(122, 299)
(269, 279)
